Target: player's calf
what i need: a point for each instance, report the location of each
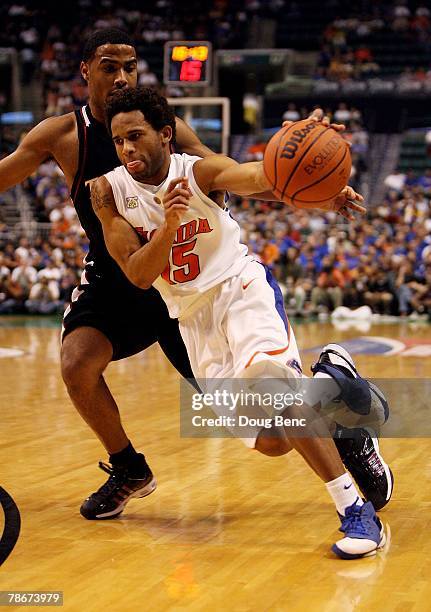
(272, 443)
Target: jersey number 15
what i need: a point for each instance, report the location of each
(186, 264)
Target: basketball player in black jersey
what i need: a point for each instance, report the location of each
(109, 318)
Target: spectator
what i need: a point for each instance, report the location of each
(410, 178)
(342, 114)
(25, 276)
(44, 298)
(146, 77)
(403, 290)
(291, 114)
(17, 288)
(424, 181)
(395, 181)
(379, 294)
(328, 291)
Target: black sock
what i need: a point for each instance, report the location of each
(128, 457)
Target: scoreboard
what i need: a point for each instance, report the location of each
(187, 63)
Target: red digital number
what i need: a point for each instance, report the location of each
(191, 70)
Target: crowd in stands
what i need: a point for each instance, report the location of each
(49, 36)
(38, 276)
(347, 52)
(321, 261)
(383, 261)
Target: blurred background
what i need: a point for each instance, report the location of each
(366, 63)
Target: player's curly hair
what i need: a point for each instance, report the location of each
(105, 36)
(154, 107)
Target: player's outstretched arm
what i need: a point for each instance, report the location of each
(141, 264)
(219, 172)
(243, 179)
(34, 149)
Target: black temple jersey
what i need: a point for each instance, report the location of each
(97, 156)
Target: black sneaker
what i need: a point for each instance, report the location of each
(359, 451)
(109, 501)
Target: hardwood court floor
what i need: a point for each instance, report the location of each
(227, 528)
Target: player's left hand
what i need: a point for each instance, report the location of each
(175, 202)
(346, 202)
(319, 116)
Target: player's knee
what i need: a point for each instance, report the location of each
(72, 367)
(82, 364)
(272, 447)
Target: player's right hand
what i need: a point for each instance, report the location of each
(176, 202)
(346, 202)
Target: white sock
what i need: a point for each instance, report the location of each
(344, 492)
(323, 392)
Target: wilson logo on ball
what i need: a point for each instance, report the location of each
(291, 146)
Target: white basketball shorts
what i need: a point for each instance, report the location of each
(240, 330)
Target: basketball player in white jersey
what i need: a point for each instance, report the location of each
(226, 302)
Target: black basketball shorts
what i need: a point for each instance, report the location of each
(132, 319)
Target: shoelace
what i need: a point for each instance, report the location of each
(375, 464)
(109, 469)
(112, 482)
(325, 358)
(353, 521)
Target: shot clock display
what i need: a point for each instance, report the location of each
(187, 63)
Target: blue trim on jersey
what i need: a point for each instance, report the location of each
(278, 296)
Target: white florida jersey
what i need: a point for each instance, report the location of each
(207, 248)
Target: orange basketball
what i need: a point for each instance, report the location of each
(307, 164)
